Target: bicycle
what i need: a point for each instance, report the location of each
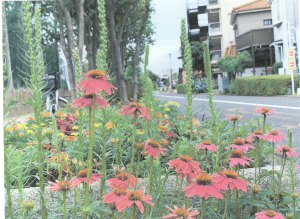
(51, 86)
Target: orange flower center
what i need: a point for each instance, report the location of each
(82, 173)
(164, 141)
(265, 109)
(182, 213)
(87, 96)
(135, 195)
(95, 73)
(65, 184)
(162, 128)
(273, 132)
(221, 172)
(185, 158)
(123, 176)
(239, 141)
(270, 213)
(154, 143)
(236, 154)
(206, 142)
(286, 149)
(234, 117)
(231, 174)
(134, 104)
(257, 132)
(204, 179)
(139, 146)
(119, 191)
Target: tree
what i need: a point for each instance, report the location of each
(243, 61)
(175, 76)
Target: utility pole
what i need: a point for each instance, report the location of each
(290, 45)
(171, 72)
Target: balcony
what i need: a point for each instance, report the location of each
(258, 37)
(213, 2)
(216, 55)
(214, 27)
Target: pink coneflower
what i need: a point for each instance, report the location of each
(121, 180)
(285, 150)
(297, 166)
(236, 157)
(134, 197)
(171, 134)
(264, 110)
(64, 184)
(274, 135)
(207, 145)
(187, 166)
(231, 179)
(181, 213)
(134, 107)
(82, 176)
(204, 187)
(233, 117)
(269, 214)
(257, 133)
(115, 196)
(95, 82)
(153, 147)
(88, 99)
(239, 143)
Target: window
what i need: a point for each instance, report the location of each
(268, 22)
(277, 11)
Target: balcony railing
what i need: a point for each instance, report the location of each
(213, 2)
(217, 54)
(258, 37)
(214, 27)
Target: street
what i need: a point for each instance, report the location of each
(287, 113)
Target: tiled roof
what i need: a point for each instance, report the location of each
(230, 51)
(253, 5)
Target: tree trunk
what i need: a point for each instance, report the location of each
(67, 49)
(80, 24)
(137, 52)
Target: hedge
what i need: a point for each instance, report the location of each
(264, 85)
(181, 88)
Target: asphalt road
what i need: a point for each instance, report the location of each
(287, 113)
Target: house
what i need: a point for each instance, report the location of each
(253, 31)
(285, 18)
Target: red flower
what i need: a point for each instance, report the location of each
(233, 117)
(285, 150)
(257, 133)
(134, 197)
(64, 184)
(268, 215)
(121, 180)
(82, 176)
(204, 187)
(95, 82)
(115, 196)
(180, 213)
(230, 178)
(186, 166)
(239, 143)
(134, 107)
(264, 110)
(274, 135)
(88, 99)
(153, 147)
(236, 157)
(171, 134)
(207, 145)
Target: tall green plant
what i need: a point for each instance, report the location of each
(189, 68)
(146, 86)
(207, 68)
(34, 60)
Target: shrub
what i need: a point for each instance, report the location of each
(276, 66)
(181, 88)
(264, 85)
(231, 88)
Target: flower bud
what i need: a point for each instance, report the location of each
(295, 195)
(48, 132)
(28, 204)
(86, 210)
(289, 215)
(202, 133)
(112, 205)
(255, 189)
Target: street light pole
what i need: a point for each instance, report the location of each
(171, 72)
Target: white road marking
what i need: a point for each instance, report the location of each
(240, 103)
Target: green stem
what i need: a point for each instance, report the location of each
(103, 160)
(26, 213)
(133, 211)
(226, 204)
(133, 149)
(250, 209)
(7, 180)
(264, 124)
(65, 208)
(202, 208)
(137, 170)
(273, 175)
(180, 189)
(90, 154)
(206, 161)
(150, 184)
(258, 161)
(175, 188)
(279, 185)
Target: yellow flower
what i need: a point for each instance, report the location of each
(14, 121)
(141, 131)
(115, 140)
(74, 133)
(97, 125)
(166, 116)
(43, 124)
(61, 134)
(29, 131)
(75, 127)
(50, 123)
(166, 104)
(177, 104)
(34, 126)
(22, 125)
(160, 105)
(196, 122)
(109, 125)
(141, 100)
(167, 109)
(171, 102)
(155, 99)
